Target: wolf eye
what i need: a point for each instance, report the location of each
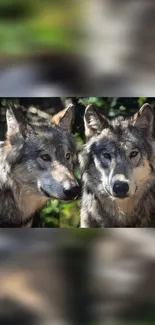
(68, 155)
(106, 155)
(45, 157)
(134, 153)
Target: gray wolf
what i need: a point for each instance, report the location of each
(118, 170)
(37, 161)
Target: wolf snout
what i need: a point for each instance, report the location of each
(72, 193)
(120, 189)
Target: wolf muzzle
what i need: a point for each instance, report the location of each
(66, 194)
(72, 193)
(120, 189)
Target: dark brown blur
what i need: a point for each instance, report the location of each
(77, 277)
(77, 48)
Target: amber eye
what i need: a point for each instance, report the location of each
(134, 154)
(46, 157)
(68, 155)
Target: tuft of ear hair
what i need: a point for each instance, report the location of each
(94, 122)
(144, 118)
(12, 121)
(16, 122)
(64, 118)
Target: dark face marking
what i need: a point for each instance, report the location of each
(123, 146)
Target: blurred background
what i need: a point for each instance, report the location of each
(50, 48)
(85, 276)
(57, 214)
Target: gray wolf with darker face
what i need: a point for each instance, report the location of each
(118, 170)
(36, 161)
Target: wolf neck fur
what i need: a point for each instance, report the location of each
(25, 200)
(126, 206)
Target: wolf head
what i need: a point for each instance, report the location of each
(117, 159)
(41, 156)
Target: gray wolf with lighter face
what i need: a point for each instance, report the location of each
(118, 170)
(37, 161)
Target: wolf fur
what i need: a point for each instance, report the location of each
(36, 161)
(118, 170)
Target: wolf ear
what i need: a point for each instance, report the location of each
(12, 123)
(144, 119)
(94, 121)
(64, 118)
(14, 120)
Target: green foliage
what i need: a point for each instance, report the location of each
(30, 26)
(61, 215)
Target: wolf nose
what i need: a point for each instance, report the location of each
(120, 189)
(72, 193)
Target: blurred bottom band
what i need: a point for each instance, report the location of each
(77, 277)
